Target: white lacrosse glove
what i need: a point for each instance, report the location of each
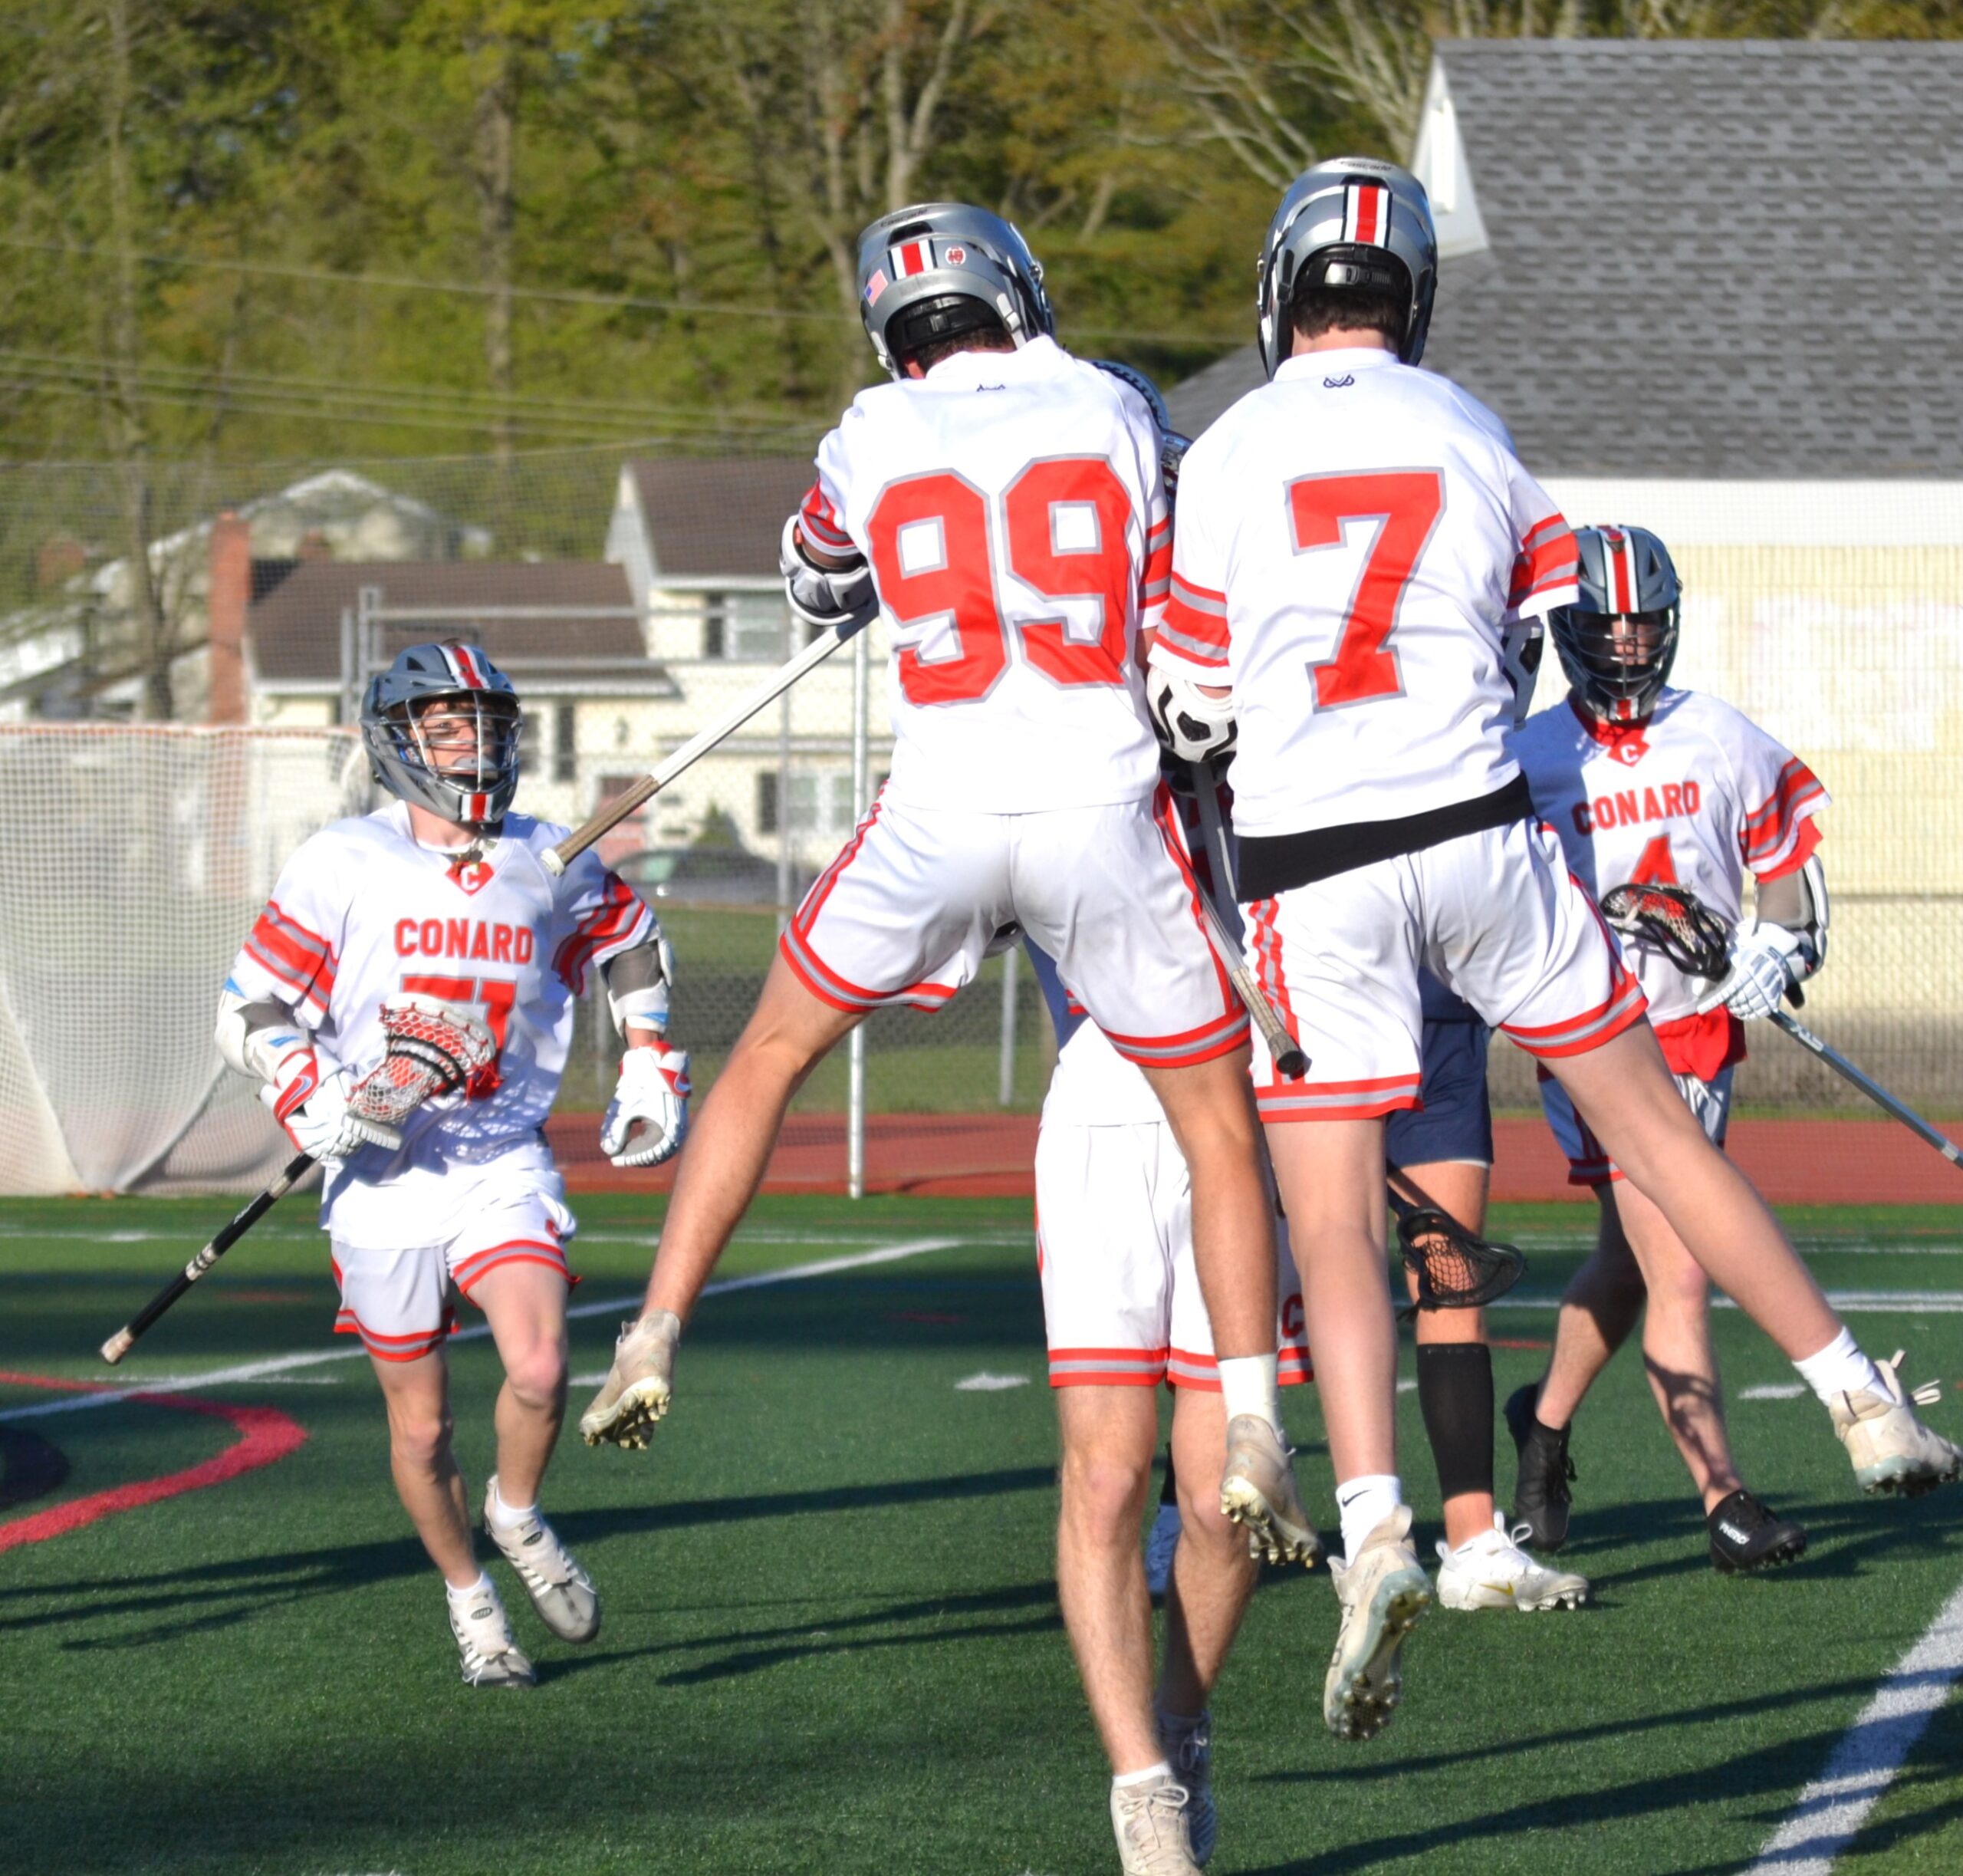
(308, 1096)
(1191, 726)
(653, 1089)
(1766, 961)
(825, 596)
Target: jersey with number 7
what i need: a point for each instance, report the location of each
(1011, 507)
(1352, 538)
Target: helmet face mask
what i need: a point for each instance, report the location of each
(443, 729)
(1351, 225)
(942, 269)
(1618, 642)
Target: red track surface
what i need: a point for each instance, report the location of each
(982, 1156)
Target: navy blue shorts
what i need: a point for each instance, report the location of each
(1456, 1121)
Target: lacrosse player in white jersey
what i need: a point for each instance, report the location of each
(1122, 1313)
(1647, 784)
(1354, 539)
(441, 898)
(1003, 505)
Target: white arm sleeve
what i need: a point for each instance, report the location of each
(251, 1037)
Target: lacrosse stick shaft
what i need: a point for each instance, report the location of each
(1290, 1062)
(558, 858)
(1873, 1090)
(125, 1339)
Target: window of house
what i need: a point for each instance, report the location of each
(747, 627)
(821, 801)
(766, 801)
(565, 743)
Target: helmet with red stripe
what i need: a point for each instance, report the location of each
(941, 270)
(1355, 225)
(441, 727)
(1618, 641)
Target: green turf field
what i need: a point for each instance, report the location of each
(831, 1643)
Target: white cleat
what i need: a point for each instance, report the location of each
(561, 1592)
(1382, 1593)
(1892, 1450)
(1188, 1744)
(487, 1654)
(1150, 1822)
(1493, 1571)
(1257, 1492)
(636, 1392)
(1160, 1542)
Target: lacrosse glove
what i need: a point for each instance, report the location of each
(1766, 961)
(653, 1091)
(308, 1096)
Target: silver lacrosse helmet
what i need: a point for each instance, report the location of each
(467, 776)
(941, 269)
(1350, 223)
(1618, 641)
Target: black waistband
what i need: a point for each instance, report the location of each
(1280, 861)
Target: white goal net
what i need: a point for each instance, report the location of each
(135, 861)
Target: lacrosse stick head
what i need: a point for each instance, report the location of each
(1453, 1269)
(433, 1049)
(1676, 922)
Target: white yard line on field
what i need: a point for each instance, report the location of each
(276, 1365)
(1848, 1303)
(1830, 1811)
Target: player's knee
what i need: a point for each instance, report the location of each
(537, 1375)
(419, 1437)
(1679, 1285)
(1201, 1521)
(1104, 1495)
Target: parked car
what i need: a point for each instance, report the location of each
(718, 876)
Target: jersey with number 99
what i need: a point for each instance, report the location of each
(1012, 509)
(1354, 537)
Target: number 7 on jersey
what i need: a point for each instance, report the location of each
(1406, 504)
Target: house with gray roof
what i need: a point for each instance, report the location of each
(1715, 289)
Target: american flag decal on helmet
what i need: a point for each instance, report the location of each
(876, 286)
(910, 259)
(1367, 213)
(1618, 570)
(465, 666)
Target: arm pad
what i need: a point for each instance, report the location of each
(252, 1037)
(637, 983)
(824, 597)
(1798, 901)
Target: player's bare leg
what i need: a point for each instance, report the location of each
(525, 1306)
(1213, 1576)
(1626, 1095)
(1600, 1309)
(723, 1164)
(730, 1143)
(417, 1396)
(1677, 1351)
(1108, 1437)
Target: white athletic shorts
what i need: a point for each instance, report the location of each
(1588, 1164)
(398, 1301)
(1114, 1245)
(1495, 916)
(907, 913)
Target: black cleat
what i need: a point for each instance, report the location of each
(1540, 1497)
(1744, 1535)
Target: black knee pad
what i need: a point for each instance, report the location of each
(1455, 1393)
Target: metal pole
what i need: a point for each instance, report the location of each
(1005, 1075)
(855, 1045)
(783, 791)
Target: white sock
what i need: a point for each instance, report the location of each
(508, 1517)
(1840, 1368)
(1247, 1385)
(469, 1589)
(1161, 1770)
(1365, 1502)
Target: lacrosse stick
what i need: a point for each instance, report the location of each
(559, 857)
(433, 1049)
(1453, 1269)
(1694, 938)
(1290, 1063)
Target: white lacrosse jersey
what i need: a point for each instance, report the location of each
(1697, 796)
(1012, 509)
(1353, 538)
(361, 911)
